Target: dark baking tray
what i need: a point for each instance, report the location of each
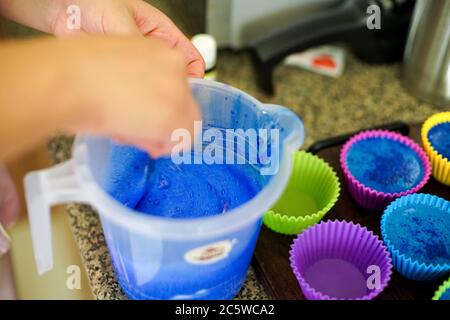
(271, 259)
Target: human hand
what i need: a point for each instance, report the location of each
(132, 89)
(103, 78)
(127, 17)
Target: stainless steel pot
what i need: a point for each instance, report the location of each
(426, 68)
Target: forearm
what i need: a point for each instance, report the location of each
(36, 95)
(38, 14)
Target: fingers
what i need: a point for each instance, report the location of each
(177, 110)
(179, 119)
(122, 24)
(152, 131)
(154, 147)
(194, 61)
(153, 23)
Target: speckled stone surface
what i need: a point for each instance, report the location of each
(362, 97)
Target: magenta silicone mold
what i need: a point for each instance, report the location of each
(367, 197)
(343, 241)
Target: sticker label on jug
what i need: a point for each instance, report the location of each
(210, 253)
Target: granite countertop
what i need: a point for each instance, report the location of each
(362, 97)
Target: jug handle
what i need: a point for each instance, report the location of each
(44, 188)
(297, 136)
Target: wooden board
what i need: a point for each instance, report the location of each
(271, 259)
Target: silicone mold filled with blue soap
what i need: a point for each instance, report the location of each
(416, 230)
(421, 232)
(439, 137)
(385, 165)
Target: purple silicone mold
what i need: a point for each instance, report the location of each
(367, 197)
(334, 260)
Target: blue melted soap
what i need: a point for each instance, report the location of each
(439, 137)
(126, 174)
(421, 232)
(160, 187)
(385, 165)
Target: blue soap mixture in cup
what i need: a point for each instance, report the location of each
(385, 165)
(420, 232)
(439, 137)
(189, 190)
(161, 188)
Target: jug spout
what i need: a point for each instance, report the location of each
(293, 131)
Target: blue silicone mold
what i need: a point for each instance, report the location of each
(419, 250)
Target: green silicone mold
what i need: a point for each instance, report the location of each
(311, 192)
(444, 287)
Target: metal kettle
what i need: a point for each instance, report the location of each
(426, 63)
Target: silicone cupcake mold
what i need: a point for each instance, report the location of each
(312, 190)
(335, 260)
(416, 231)
(436, 142)
(443, 293)
(380, 166)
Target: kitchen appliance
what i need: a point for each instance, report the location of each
(343, 22)
(426, 63)
(236, 23)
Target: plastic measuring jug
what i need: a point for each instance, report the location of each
(158, 257)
